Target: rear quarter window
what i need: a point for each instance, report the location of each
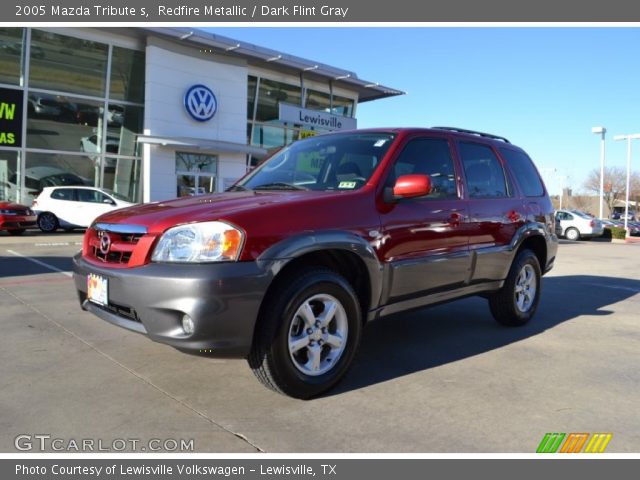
(525, 172)
(63, 194)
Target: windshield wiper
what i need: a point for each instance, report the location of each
(279, 186)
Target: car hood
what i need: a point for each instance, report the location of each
(158, 216)
(13, 206)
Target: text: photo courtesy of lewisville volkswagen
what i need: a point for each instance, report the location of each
(287, 267)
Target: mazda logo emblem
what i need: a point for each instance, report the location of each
(105, 243)
(200, 103)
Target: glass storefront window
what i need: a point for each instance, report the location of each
(48, 170)
(11, 48)
(68, 64)
(9, 176)
(127, 75)
(318, 101)
(57, 122)
(196, 162)
(122, 177)
(269, 137)
(270, 94)
(342, 106)
(196, 173)
(251, 96)
(124, 122)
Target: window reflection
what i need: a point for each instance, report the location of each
(127, 75)
(58, 122)
(11, 48)
(49, 170)
(123, 123)
(68, 64)
(122, 176)
(9, 178)
(270, 94)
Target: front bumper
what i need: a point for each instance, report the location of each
(222, 299)
(17, 222)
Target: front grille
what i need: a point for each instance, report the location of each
(121, 311)
(119, 247)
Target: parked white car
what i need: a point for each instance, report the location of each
(574, 225)
(70, 207)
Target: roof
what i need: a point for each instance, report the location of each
(261, 56)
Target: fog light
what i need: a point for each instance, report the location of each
(187, 324)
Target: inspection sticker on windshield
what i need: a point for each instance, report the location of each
(97, 289)
(347, 185)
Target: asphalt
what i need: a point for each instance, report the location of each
(444, 379)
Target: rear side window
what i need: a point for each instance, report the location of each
(91, 196)
(524, 171)
(63, 194)
(428, 156)
(485, 175)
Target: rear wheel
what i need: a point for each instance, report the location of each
(516, 302)
(572, 234)
(308, 335)
(48, 222)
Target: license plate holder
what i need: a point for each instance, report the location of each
(97, 289)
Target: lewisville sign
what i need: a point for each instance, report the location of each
(10, 117)
(315, 118)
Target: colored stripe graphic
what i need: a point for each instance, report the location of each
(574, 443)
(550, 443)
(598, 443)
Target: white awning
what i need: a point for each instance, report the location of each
(214, 146)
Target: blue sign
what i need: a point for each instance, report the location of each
(200, 103)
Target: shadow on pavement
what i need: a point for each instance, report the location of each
(406, 343)
(14, 266)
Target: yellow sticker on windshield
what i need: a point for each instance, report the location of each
(347, 185)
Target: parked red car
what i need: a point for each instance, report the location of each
(335, 230)
(16, 218)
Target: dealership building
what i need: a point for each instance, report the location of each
(156, 113)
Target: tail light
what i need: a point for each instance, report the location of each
(34, 202)
(592, 223)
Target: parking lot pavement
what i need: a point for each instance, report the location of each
(445, 379)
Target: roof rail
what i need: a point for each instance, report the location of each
(473, 132)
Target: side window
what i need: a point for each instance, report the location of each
(63, 194)
(91, 196)
(427, 156)
(524, 171)
(485, 175)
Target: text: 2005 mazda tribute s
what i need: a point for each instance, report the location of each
(333, 231)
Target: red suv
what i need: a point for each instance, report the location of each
(286, 267)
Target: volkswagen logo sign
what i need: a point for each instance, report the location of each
(200, 103)
(105, 243)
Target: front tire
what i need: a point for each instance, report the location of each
(308, 335)
(48, 222)
(516, 302)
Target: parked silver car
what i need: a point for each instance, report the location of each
(574, 225)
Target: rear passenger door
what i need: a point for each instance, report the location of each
(496, 212)
(425, 239)
(63, 204)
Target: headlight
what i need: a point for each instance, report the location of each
(199, 242)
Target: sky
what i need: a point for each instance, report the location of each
(542, 88)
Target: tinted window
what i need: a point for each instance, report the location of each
(524, 171)
(11, 48)
(63, 194)
(485, 176)
(428, 156)
(91, 196)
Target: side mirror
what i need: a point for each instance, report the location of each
(108, 201)
(411, 186)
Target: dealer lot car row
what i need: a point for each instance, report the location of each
(286, 267)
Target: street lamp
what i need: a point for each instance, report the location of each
(628, 138)
(602, 131)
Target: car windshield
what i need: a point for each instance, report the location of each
(327, 162)
(581, 214)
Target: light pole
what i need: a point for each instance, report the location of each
(628, 138)
(602, 131)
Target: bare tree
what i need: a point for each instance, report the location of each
(615, 183)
